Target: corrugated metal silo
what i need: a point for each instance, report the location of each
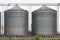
(0, 23)
(44, 21)
(16, 22)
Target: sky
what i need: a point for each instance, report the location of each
(28, 1)
(29, 8)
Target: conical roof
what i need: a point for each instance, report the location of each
(44, 8)
(16, 8)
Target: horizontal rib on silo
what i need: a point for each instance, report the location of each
(44, 21)
(16, 22)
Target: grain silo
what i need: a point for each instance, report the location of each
(16, 22)
(44, 21)
(0, 23)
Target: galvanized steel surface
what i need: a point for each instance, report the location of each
(44, 21)
(0, 22)
(16, 22)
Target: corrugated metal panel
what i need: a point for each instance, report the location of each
(16, 22)
(0, 23)
(44, 21)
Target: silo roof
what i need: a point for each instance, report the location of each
(44, 8)
(16, 8)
